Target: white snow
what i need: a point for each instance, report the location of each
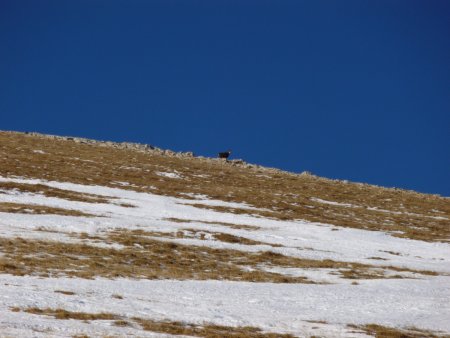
(168, 174)
(272, 307)
(421, 302)
(319, 200)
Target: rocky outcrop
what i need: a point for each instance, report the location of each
(147, 148)
(150, 149)
(117, 145)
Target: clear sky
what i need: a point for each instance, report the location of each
(356, 90)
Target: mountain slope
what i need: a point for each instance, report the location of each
(141, 241)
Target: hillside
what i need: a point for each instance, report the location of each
(131, 240)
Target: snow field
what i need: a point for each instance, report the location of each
(421, 302)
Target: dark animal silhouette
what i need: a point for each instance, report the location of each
(225, 154)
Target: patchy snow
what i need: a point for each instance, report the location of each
(421, 302)
(319, 275)
(319, 200)
(272, 307)
(169, 174)
(195, 196)
(153, 212)
(218, 203)
(406, 213)
(130, 168)
(201, 175)
(124, 184)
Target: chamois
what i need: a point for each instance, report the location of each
(225, 154)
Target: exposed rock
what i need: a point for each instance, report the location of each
(147, 148)
(236, 162)
(306, 173)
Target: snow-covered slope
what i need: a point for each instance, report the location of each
(119, 260)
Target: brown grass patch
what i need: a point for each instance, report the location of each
(68, 293)
(288, 196)
(230, 225)
(121, 323)
(147, 258)
(317, 321)
(207, 330)
(232, 210)
(142, 258)
(392, 252)
(266, 258)
(39, 210)
(391, 332)
(167, 327)
(202, 235)
(64, 314)
(55, 192)
(223, 237)
(378, 258)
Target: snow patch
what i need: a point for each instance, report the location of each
(169, 174)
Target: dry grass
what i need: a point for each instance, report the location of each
(203, 235)
(287, 196)
(68, 293)
(238, 211)
(147, 258)
(54, 192)
(64, 314)
(39, 209)
(143, 240)
(317, 321)
(167, 327)
(223, 237)
(121, 323)
(142, 258)
(390, 332)
(207, 330)
(230, 225)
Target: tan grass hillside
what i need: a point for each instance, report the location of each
(281, 195)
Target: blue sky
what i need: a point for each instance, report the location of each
(355, 90)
